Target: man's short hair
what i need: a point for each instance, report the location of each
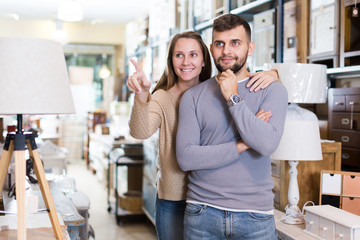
(229, 21)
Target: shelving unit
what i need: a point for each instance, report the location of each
(341, 189)
(324, 44)
(196, 15)
(349, 34)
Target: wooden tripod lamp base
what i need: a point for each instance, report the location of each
(15, 143)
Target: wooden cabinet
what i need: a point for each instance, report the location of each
(344, 124)
(308, 175)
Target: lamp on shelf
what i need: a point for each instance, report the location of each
(34, 81)
(305, 83)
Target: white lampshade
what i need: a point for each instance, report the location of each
(301, 137)
(34, 77)
(305, 83)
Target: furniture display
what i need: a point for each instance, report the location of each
(344, 124)
(308, 178)
(198, 15)
(119, 165)
(93, 119)
(349, 34)
(99, 147)
(71, 137)
(341, 189)
(290, 42)
(128, 201)
(323, 46)
(151, 152)
(328, 222)
(264, 36)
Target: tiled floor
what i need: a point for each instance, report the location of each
(104, 223)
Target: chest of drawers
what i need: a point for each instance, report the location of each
(344, 124)
(328, 222)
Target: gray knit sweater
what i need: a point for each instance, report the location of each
(206, 144)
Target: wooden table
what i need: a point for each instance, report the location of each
(288, 231)
(38, 226)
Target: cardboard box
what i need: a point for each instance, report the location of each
(131, 201)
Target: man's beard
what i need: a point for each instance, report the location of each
(237, 66)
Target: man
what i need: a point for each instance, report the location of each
(230, 190)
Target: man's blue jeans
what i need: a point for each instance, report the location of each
(204, 222)
(169, 219)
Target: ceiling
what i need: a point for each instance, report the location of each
(95, 11)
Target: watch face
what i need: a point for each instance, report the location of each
(236, 98)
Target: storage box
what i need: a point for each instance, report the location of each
(328, 222)
(131, 201)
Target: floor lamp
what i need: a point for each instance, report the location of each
(305, 83)
(34, 80)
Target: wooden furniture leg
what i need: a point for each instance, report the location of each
(45, 191)
(20, 173)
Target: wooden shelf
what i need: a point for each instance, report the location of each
(344, 72)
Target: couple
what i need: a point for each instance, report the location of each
(225, 129)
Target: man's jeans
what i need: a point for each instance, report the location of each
(204, 222)
(170, 219)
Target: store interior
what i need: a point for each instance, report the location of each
(314, 45)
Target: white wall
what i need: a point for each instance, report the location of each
(109, 34)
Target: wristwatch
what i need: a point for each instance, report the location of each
(233, 100)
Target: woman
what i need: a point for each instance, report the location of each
(188, 63)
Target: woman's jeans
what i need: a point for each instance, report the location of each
(204, 222)
(170, 219)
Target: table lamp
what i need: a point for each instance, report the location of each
(305, 83)
(34, 80)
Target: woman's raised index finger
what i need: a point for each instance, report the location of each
(136, 65)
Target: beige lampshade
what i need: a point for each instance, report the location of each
(305, 83)
(34, 77)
